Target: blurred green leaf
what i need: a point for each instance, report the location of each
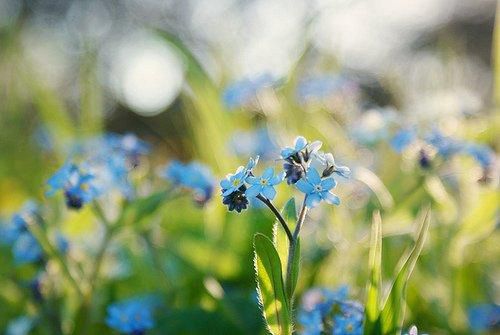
(392, 314)
(270, 286)
(372, 307)
(142, 208)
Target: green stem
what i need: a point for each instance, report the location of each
(292, 247)
(278, 215)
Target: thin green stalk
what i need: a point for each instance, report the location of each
(40, 234)
(278, 215)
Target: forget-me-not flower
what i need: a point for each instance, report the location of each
(130, 317)
(26, 249)
(481, 153)
(297, 159)
(242, 92)
(328, 160)
(264, 184)
(317, 189)
(484, 317)
(403, 139)
(78, 186)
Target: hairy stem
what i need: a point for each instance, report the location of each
(292, 247)
(278, 215)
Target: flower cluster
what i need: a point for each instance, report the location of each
(242, 92)
(133, 316)
(98, 166)
(193, 176)
(324, 311)
(443, 146)
(484, 317)
(242, 185)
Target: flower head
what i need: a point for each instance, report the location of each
(234, 187)
(130, 317)
(317, 189)
(403, 139)
(78, 186)
(445, 146)
(297, 159)
(129, 145)
(328, 160)
(194, 176)
(242, 92)
(482, 154)
(264, 184)
(26, 249)
(484, 317)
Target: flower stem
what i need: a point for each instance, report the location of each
(292, 248)
(278, 215)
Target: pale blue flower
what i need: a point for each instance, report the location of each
(403, 139)
(299, 144)
(317, 189)
(26, 249)
(242, 92)
(264, 184)
(130, 317)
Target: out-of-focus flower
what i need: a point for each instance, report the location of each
(242, 92)
(130, 317)
(403, 139)
(78, 185)
(317, 189)
(445, 146)
(321, 87)
(481, 153)
(484, 317)
(264, 184)
(26, 249)
(325, 311)
(194, 176)
(11, 231)
(130, 145)
(413, 331)
(254, 143)
(20, 326)
(373, 126)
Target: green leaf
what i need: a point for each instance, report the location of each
(142, 207)
(372, 306)
(272, 296)
(392, 314)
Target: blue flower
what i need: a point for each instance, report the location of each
(193, 176)
(299, 145)
(130, 145)
(26, 249)
(18, 224)
(78, 186)
(445, 146)
(328, 160)
(482, 154)
(403, 139)
(413, 331)
(234, 182)
(321, 87)
(312, 323)
(317, 189)
(297, 159)
(244, 91)
(349, 323)
(256, 142)
(130, 317)
(484, 317)
(264, 185)
(22, 325)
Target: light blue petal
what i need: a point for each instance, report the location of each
(331, 198)
(269, 192)
(328, 184)
(225, 184)
(313, 176)
(300, 143)
(253, 191)
(287, 152)
(268, 173)
(253, 180)
(228, 191)
(312, 200)
(343, 171)
(304, 186)
(277, 179)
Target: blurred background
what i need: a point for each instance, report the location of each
(218, 81)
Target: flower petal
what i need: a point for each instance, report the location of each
(300, 143)
(328, 183)
(343, 171)
(253, 180)
(313, 176)
(287, 152)
(269, 192)
(268, 173)
(304, 186)
(253, 191)
(312, 200)
(277, 179)
(331, 198)
(225, 184)
(315, 146)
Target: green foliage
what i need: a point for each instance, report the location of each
(271, 289)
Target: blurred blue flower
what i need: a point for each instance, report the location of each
(11, 231)
(26, 249)
(254, 143)
(62, 243)
(373, 126)
(481, 153)
(264, 184)
(129, 145)
(242, 92)
(317, 189)
(403, 139)
(194, 176)
(132, 316)
(413, 331)
(78, 186)
(328, 311)
(20, 326)
(484, 317)
(321, 87)
(445, 146)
